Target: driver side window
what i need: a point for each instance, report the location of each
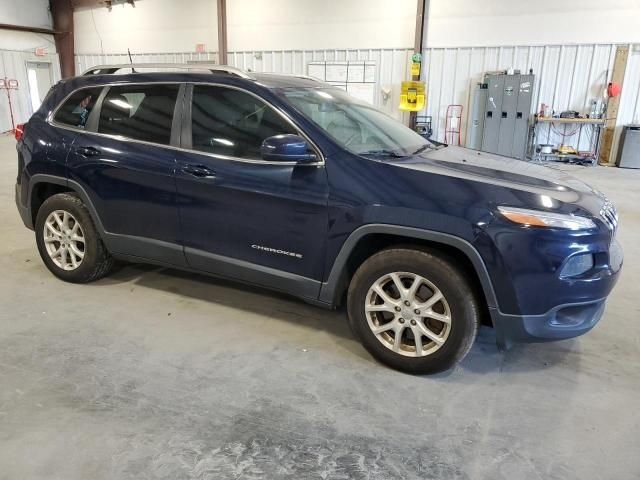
(230, 122)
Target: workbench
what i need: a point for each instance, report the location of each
(595, 124)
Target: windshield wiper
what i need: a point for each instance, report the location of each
(383, 153)
(423, 148)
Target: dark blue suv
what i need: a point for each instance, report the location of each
(288, 183)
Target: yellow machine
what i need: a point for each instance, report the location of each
(412, 96)
(567, 150)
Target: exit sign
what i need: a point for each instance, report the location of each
(40, 52)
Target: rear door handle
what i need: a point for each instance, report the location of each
(200, 171)
(87, 151)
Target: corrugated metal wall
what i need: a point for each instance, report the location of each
(86, 61)
(393, 64)
(567, 76)
(13, 65)
(392, 68)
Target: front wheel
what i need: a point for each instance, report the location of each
(413, 310)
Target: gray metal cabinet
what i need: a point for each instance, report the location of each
(495, 87)
(476, 118)
(507, 114)
(521, 128)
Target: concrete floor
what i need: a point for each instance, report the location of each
(154, 373)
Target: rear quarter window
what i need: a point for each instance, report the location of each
(75, 110)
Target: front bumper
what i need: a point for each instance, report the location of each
(561, 322)
(566, 320)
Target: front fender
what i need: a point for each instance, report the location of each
(330, 289)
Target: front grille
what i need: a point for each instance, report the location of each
(609, 215)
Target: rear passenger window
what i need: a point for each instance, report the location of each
(75, 111)
(139, 112)
(230, 122)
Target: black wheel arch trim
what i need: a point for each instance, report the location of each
(330, 288)
(73, 186)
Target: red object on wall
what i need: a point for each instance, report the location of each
(613, 89)
(18, 131)
(199, 47)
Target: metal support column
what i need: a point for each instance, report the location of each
(62, 13)
(422, 17)
(222, 32)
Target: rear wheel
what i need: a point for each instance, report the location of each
(413, 310)
(68, 241)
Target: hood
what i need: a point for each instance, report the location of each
(508, 173)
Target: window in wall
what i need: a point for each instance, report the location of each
(233, 123)
(139, 112)
(75, 111)
(358, 78)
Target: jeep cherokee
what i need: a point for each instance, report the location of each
(289, 183)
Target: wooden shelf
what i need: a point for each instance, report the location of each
(566, 158)
(590, 121)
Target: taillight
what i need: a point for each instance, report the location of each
(19, 131)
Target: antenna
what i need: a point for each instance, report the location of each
(133, 70)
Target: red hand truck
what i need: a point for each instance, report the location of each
(9, 84)
(452, 124)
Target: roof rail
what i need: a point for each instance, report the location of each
(213, 68)
(300, 75)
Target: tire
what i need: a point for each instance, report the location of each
(452, 321)
(95, 261)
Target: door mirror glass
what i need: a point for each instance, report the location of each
(286, 148)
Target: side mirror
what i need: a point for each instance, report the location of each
(286, 148)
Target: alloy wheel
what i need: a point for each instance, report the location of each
(64, 240)
(408, 314)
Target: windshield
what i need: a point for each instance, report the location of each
(356, 126)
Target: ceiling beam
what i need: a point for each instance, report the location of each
(22, 28)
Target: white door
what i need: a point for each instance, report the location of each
(40, 80)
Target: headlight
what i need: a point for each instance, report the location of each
(538, 218)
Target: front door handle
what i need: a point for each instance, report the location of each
(200, 171)
(88, 151)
